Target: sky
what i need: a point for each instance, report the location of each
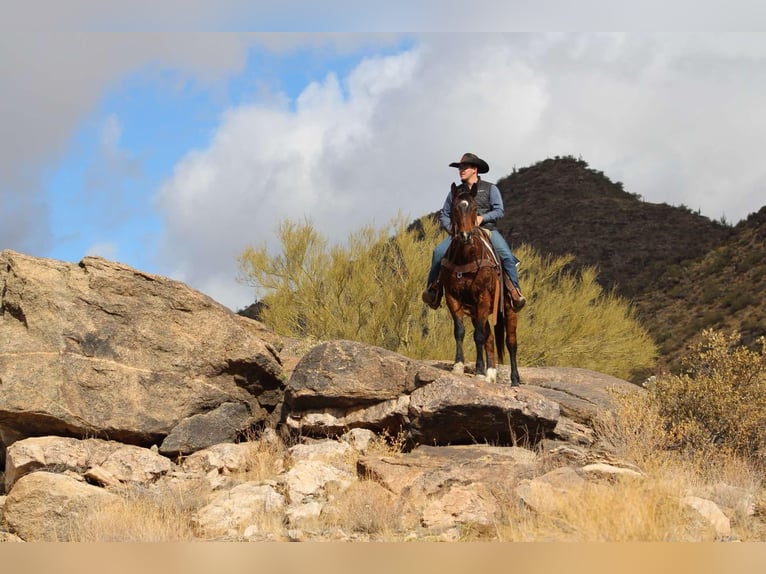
(172, 152)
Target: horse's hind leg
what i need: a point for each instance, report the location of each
(511, 344)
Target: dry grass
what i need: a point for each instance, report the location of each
(367, 508)
(265, 457)
(162, 514)
(628, 511)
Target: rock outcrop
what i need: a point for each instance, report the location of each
(98, 349)
(117, 386)
(340, 385)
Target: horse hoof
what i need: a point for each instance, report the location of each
(458, 368)
(515, 384)
(491, 376)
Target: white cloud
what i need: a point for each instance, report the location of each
(677, 120)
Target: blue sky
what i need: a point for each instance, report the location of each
(101, 193)
(173, 152)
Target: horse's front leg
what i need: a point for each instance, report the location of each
(485, 350)
(514, 369)
(489, 346)
(459, 332)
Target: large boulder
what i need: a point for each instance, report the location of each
(48, 507)
(340, 385)
(583, 395)
(450, 486)
(460, 410)
(99, 349)
(124, 464)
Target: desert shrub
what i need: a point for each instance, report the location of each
(719, 401)
(369, 291)
(711, 414)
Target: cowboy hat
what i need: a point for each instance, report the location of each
(472, 159)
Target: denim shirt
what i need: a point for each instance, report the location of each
(489, 217)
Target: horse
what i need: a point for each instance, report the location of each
(471, 275)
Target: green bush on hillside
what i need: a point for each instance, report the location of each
(369, 290)
(570, 321)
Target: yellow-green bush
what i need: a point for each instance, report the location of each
(570, 321)
(719, 401)
(369, 290)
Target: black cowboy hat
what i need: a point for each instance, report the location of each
(472, 159)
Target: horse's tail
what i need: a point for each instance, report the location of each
(500, 336)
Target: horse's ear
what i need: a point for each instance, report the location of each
(453, 190)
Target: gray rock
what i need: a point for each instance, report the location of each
(340, 374)
(224, 458)
(223, 424)
(106, 462)
(238, 508)
(310, 480)
(582, 394)
(471, 504)
(549, 492)
(425, 470)
(709, 510)
(101, 349)
(340, 385)
(461, 410)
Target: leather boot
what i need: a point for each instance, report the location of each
(433, 295)
(517, 299)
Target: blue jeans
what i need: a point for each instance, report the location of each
(507, 258)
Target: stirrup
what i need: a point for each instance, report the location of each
(432, 296)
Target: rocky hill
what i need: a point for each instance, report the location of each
(684, 271)
(724, 289)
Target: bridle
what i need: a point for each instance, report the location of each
(465, 210)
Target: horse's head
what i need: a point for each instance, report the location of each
(464, 215)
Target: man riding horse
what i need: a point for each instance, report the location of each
(490, 208)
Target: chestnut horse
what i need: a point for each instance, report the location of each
(472, 278)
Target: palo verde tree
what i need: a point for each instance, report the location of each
(366, 290)
(369, 290)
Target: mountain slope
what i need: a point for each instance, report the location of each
(725, 289)
(562, 206)
(683, 271)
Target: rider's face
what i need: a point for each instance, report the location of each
(467, 172)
